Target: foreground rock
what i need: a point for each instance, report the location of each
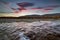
(38, 30)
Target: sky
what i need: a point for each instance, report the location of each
(25, 7)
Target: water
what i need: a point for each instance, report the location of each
(23, 37)
(20, 28)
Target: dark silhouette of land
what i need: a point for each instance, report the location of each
(46, 16)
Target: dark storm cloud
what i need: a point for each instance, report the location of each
(25, 4)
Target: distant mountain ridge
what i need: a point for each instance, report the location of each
(56, 15)
(46, 15)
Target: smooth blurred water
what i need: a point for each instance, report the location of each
(36, 26)
(23, 37)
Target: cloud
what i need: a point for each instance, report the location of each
(46, 8)
(37, 8)
(43, 9)
(50, 8)
(21, 8)
(54, 6)
(25, 4)
(22, 5)
(5, 3)
(15, 10)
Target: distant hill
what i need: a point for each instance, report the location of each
(55, 15)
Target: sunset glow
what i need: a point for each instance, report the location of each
(26, 7)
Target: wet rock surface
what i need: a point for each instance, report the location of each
(38, 30)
